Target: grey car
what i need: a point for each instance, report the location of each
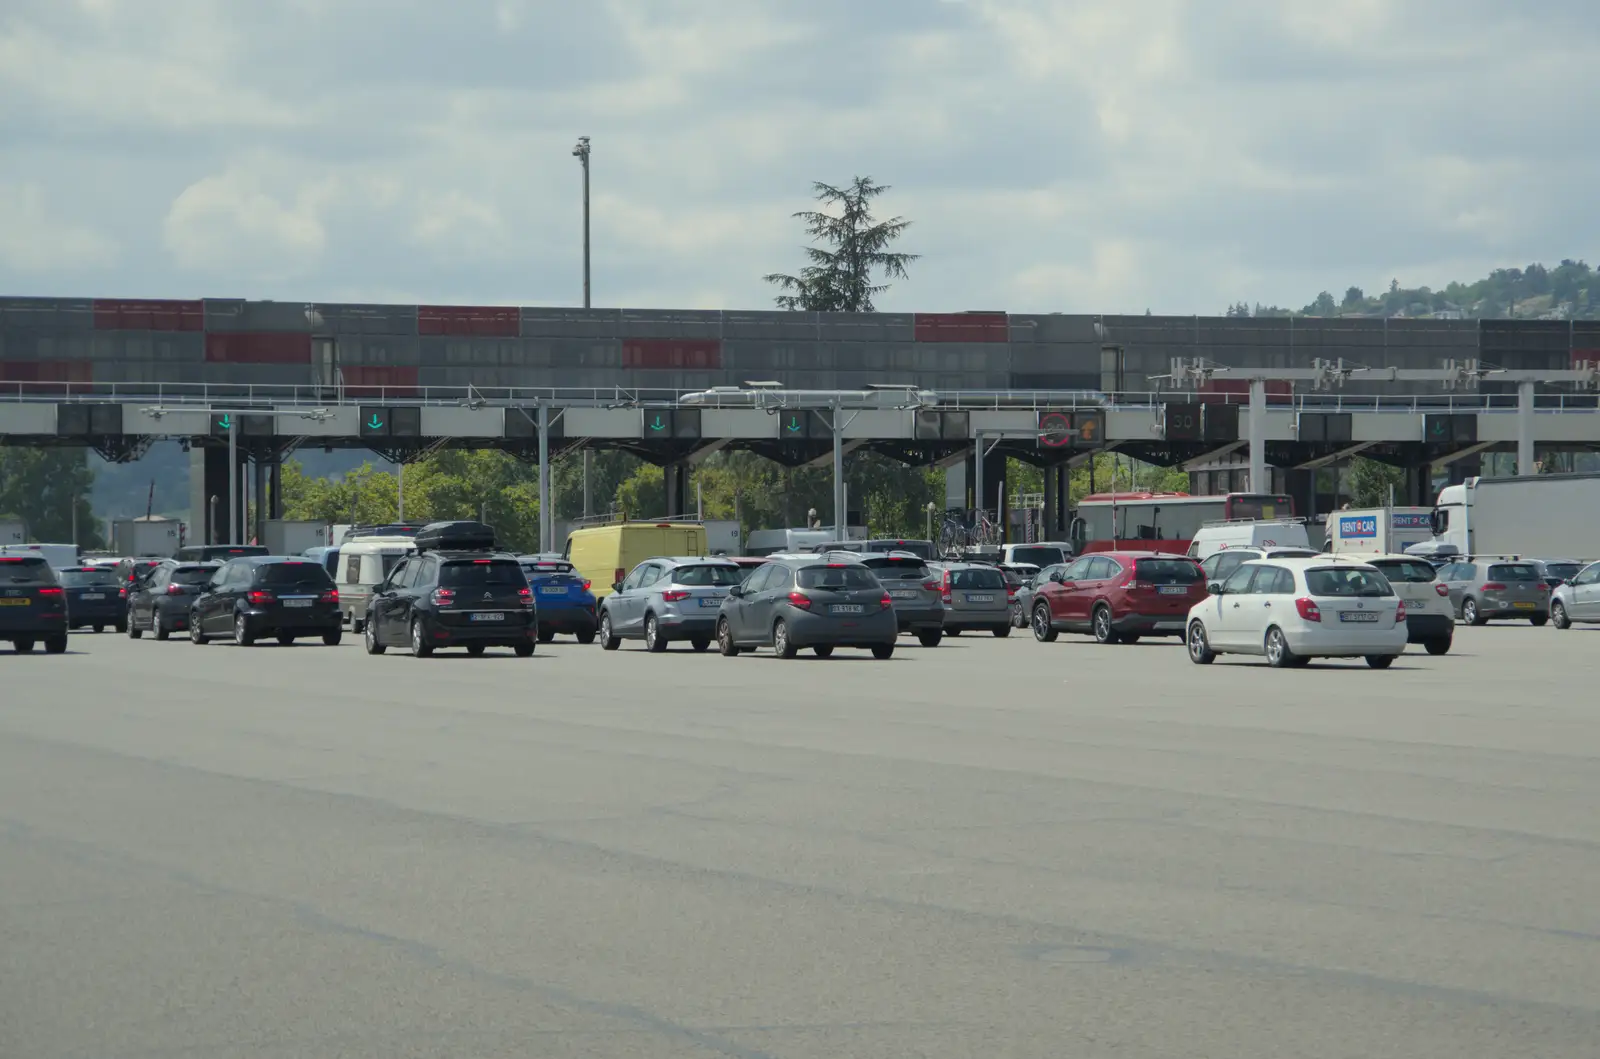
(1022, 599)
(1577, 599)
(976, 597)
(666, 599)
(918, 605)
(1484, 589)
(813, 601)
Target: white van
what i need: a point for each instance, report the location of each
(363, 563)
(58, 556)
(1215, 537)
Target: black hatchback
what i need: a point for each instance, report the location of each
(284, 597)
(94, 597)
(33, 605)
(470, 599)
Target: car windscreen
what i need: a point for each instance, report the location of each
(703, 574)
(1514, 572)
(85, 578)
(896, 567)
(473, 573)
(1167, 572)
(25, 570)
(1562, 570)
(987, 577)
(193, 575)
(1038, 556)
(838, 578)
(1347, 581)
(297, 575)
(1407, 571)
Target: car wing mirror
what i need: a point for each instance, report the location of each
(1057, 579)
(736, 590)
(1214, 588)
(616, 586)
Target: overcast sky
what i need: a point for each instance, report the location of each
(1053, 155)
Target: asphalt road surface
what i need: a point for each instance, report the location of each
(991, 849)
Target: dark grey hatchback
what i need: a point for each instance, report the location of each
(797, 602)
(266, 595)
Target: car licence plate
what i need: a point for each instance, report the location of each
(23, 602)
(1522, 606)
(1173, 590)
(711, 601)
(902, 594)
(297, 603)
(979, 599)
(93, 595)
(493, 615)
(845, 608)
(552, 590)
(1358, 615)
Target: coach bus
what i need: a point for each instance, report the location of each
(1163, 522)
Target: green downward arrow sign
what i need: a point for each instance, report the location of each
(658, 425)
(226, 422)
(375, 423)
(794, 424)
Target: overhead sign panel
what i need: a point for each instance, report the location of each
(1221, 423)
(1452, 428)
(1182, 421)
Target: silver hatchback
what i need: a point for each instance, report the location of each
(976, 596)
(666, 599)
(1493, 589)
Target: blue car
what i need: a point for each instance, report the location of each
(562, 598)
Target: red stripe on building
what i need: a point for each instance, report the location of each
(1237, 391)
(488, 320)
(46, 371)
(669, 353)
(372, 380)
(245, 347)
(961, 327)
(1585, 358)
(145, 314)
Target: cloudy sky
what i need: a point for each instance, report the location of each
(1055, 155)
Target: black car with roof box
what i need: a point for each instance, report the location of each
(282, 596)
(94, 597)
(456, 591)
(33, 605)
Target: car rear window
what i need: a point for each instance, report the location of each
(26, 570)
(545, 569)
(1347, 581)
(193, 575)
(1167, 572)
(83, 578)
(305, 573)
(707, 574)
(1562, 570)
(469, 573)
(1039, 556)
(896, 567)
(836, 577)
(985, 578)
(1514, 572)
(1409, 571)
(918, 548)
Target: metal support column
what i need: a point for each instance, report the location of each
(840, 521)
(1525, 412)
(259, 489)
(546, 526)
(1259, 482)
(978, 455)
(233, 480)
(1050, 531)
(588, 471)
(275, 472)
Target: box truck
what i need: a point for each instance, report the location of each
(1378, 530)
(152, 535)
(284, 536)
(1541, 516)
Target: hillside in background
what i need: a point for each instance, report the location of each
(122, 490)
(1570, 291)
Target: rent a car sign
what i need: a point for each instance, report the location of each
(1410, 521)
(1358, 526)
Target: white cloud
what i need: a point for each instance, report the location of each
(1073, 155)
(34, 240)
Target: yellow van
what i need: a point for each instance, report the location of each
(605, 554)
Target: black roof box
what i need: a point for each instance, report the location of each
(455, 536)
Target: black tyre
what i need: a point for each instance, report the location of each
(131, 628)
(1470, 615)
(823, 650)
(782, 646)
(1200, 652)
(654, 640)
(608, 642)
(955, 631)
(1438, 647)
(99, 628)
(1019, 620)
(523, 650)
(1130, 637)
(56, 645)
(420, 647)
(22, 646)
(1558, 615)
(1277, 649)
(587, 636)
(1001, 631)
(285, 639)
(1101, 623)
(725, 642)
(159, 628)
(333, 639)
(241, 631)
(476, 649)
(700, 643)
(883, 651)
(196, 637)
(930, 637)
(1043, 631)
(369, 639)
(1380, 661)
(546, 635)
(1538, 620)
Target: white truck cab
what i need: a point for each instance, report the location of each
(1215, 537)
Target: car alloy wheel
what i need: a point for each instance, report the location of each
(369, 636)
(419, 640)
(725, 642)
(241, 632)
(1558, 615)
(653, 640)
(608, 642)
(1043, 631)
(1278, 654)
(1200, 652)
(781, 646)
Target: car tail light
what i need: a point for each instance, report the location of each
(586, 584)
(930, 586)
(944, 587)
(1011, 592)
(676, 595)
(443, 597)
(257, 597)
(330, 596)
(800, 599)
(885, 603)
(122, 593)
(1441, 589)
(174, 590)
(1493, 586)
(1543, 587)
(1400, 612)
(50, 592)
(525, 596)
(1308, 609)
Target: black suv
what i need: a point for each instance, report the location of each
(33, 605)
(94, 597)
(160, 602)
(268, 595)
(456, 591)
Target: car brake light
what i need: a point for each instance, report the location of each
(1493, 586)
(944, 587)
(1011, 591)
(174, 590)
(1400, 612)
(930, 586)
(330, 596)
(257, 597)
(800, 599)
(1543, 587)
(1308, 609)
(1441, 589)
(49, 592)
(525, 595)
(586, 584)
(885, 603)
(442, 597)
(674, 596)
(122, 593)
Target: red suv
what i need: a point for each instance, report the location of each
(1118, 597)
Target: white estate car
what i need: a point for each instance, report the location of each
(1294, 610)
